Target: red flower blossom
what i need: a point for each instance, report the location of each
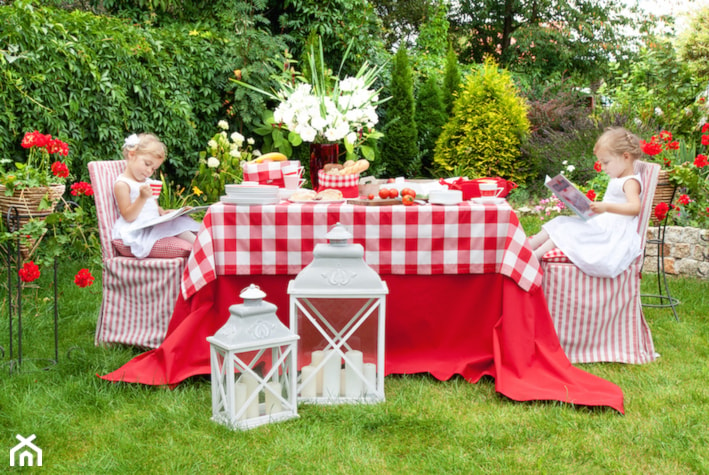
(83, 278)
(651, 147)
(701, 161)
(661, 211)
(705, 139)
(591, 195)
(29, 272)
(60, 169)
(597, 166)
(81, 188)
(705, 128)
(674, 145)
(666, 135)
(684, 200)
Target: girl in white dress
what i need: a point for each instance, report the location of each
(144, 153)
(605, 245)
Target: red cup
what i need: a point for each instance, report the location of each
(156, 186)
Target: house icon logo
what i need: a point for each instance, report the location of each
(26, 452)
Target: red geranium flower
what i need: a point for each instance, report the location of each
(60, 169)
(651, 147)
(705, 139)
(29, 272)
(666, 135)
(81, 188)
(591, 195)
(83, 278)
(661, 211)
(674, 145)
(684, 200)
(597, 166)
(701, 161)
(705, 128)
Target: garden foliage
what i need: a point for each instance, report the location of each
(488, 126)
(430, 119)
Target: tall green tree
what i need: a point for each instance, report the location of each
(430, 118)
(401, 20)
(451, 80)
(694, 44)
(399, 147)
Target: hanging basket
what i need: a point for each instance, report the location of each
(27, 203)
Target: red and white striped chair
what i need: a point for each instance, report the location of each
(139, 295)
(601, 319)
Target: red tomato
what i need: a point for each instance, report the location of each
(393, 193)
(383, 193)
(370, 196)
(408, 200)
(391, 180)
(408, 191)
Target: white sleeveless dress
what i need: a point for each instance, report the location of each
(603, 246)
(141, 241)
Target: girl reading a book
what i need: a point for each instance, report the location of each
(605, 245)
(144, 153)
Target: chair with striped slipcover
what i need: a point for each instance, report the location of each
(139, 295)
(601, 319)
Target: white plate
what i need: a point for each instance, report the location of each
(495, 201)
(237, 190)
(314, 202)
(232, 200)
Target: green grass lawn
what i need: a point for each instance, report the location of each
(87, 425)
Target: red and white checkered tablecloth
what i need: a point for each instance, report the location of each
(428, 239)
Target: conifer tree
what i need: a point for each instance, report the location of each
(430, 119)
(399, 146)
(451, 80)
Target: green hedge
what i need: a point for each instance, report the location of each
(92, 80)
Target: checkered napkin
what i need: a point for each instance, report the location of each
(267, 173)
(424, 240)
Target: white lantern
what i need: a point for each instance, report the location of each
(251, 385)
(337, 308)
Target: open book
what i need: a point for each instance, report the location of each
(167, 217)
(573, 198)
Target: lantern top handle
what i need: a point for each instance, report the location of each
(338, 235)
(252, 294)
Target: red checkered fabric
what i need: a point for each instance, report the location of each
(268, 173)
(555, 255)
(165, 248)
(279, 239)
(347, 184)
(601, 319)
(139, 295)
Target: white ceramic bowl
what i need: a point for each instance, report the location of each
(445, 197)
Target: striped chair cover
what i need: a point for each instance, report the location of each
(601, 319)
(139, 295)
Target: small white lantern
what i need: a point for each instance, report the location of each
(252, 386)
(337, 308)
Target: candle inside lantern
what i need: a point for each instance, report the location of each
(308, 381)
(354, 367)
(331, 374)
(316, 357)
(251, 387)
(370, 375)
(239, 398)
(273, 403)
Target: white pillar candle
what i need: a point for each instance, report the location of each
(316, 357)
(353, 381)
(251, 386)
(343, 382)
(331, 374)
(273, 403)
(308, 388)
(239, 398)
(370, 375)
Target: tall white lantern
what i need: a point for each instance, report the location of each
(253, 360)
(337, 308)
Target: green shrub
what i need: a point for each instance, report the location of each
(488, 125)
(430, 119)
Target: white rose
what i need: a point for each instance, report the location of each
(235, 153)
(237, 138)
(212, 162)
(223, 124)
(250, 141)
(212, 144)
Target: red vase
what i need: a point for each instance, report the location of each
(320, 155)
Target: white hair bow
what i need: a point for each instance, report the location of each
(131, 141)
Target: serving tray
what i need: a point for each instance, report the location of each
(375, 201)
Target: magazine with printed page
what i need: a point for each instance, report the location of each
(167, 217)
(573, 198)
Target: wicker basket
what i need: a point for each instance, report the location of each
(27, 202)
(663, 193)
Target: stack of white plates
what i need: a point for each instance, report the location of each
(249, 193)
